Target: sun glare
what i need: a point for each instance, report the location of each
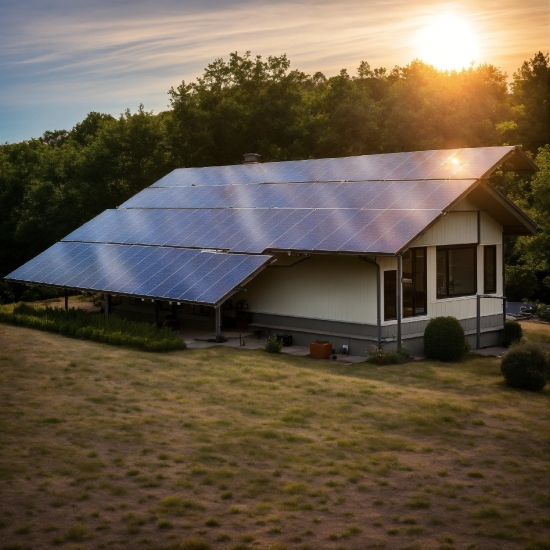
(448, 43)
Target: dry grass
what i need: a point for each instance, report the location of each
(108, 448)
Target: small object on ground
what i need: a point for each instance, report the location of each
(320, 349)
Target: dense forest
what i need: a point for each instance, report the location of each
(53, 184)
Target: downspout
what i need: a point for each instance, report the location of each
(378, 301)
(399, 298)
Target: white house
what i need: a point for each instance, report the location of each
(354, 250)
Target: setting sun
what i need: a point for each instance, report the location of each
(448, 43)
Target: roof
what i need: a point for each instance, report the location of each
(372, 204)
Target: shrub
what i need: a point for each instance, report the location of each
(444, 339)
(273, 345)
(379, 355)
(525, 367)
(543, 312)
(512, 333)
(77, 323)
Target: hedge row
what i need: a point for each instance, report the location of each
(77, 323)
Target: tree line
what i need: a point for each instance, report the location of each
(51, 185)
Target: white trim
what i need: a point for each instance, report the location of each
(407, 320)
(458, 298)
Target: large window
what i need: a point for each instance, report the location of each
(414, 282)
(456, 271)
(414, 286)
(490, 269)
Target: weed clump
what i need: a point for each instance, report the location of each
(76, 323)
(273, 345)
(444, 339)
(512, 333)
(381, 356)
(525, 367)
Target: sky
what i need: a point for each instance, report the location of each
(61, 59)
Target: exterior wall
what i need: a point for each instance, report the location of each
(360, 338)
(457, 227)
(454, 228)
(334, 297)
(329, 287)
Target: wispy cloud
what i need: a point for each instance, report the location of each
(118, 54)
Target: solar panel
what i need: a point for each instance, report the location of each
(434, 164)
(253, 230)
(167, 273)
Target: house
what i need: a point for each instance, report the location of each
(357, 250)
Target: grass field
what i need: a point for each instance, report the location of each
(102, 447)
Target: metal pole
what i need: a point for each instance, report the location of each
(66, 300)
(106, 307)
(503, 316)
(399, 298)
(157, 313)
(478, 322)
(218, 323)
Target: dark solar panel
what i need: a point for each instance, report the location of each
(169, 273)
(434, 164)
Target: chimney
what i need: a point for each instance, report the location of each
(251, 158)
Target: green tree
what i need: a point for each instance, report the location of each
(531, 102)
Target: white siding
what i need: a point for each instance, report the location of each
(490, 229)
(338, 288)
(454, 228)
(461, 227)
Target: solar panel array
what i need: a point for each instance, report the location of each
(255, 230)
(362, 195)
(420, 165)
(153, 244)
(156, 272)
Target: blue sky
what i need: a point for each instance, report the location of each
(60, 59)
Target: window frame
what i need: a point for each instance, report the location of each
(493, 249)
(446, 248)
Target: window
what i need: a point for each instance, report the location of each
(414, 282)
(456, 271)
(390, 299)
(490, 269)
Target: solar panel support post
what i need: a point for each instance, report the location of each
(66, 300)
(157, 321)
(106, 308)
(399, 298)
(218, 323)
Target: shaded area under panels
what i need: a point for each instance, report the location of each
(357, 195)
(155, 272)
(256, 230)
(447, 164)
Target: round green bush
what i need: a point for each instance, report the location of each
(512, 333)
(444, 339)
(525, 367)
(273, 345)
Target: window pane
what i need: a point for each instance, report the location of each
(420, 294)
(441, 273)
(390, 288)
(408, 303)
(490, 269)
(462, 271)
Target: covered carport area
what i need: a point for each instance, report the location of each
(157, 273)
